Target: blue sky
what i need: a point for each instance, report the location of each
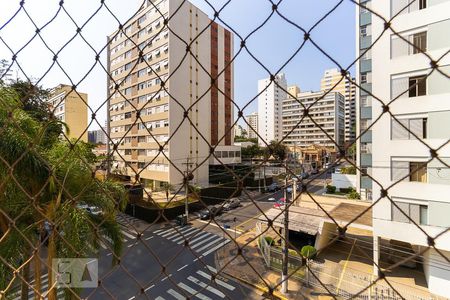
(273, 44)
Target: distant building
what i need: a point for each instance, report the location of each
(327, 112)
(270, 100)
(71, 107)
(252, 126)
(97, 136)
(334, 80)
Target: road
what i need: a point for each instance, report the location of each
(158, 265)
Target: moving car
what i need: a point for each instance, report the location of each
(209, 212)
(232, 203)
(273, 187)
(279, 204)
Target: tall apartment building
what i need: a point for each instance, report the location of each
(332, 79)
(270, 100)
(71, 107)
(252, 126)
(328, 112)
(152, 84)
(419, 182)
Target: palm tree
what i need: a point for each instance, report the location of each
(45, 182)
(167, 187)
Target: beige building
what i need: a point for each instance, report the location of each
(154, 93)
(71, 107)
(332, 78)
(327, 112)
(252, 126)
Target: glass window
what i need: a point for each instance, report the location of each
(418, 171)
(423, 215)
(417, 86)
(419, 42)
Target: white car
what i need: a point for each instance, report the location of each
(94, 210)
(272, 199)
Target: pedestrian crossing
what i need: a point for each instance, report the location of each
(199, 285)
(127, 220)
(202, 242)
(44, 290)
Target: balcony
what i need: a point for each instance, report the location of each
(365, 42)
(365, 18)
(365, 65)
(366, 182)
(366, 159)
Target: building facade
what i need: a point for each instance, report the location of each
(252, 126)
(270, 100)
(328, 113)
(97, 136)
(152, 84)
(417, 204)
(70, 107)
(333, 80)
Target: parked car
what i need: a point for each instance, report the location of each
(211, 211)
(232, 203)
(82, 205)
(304, 175)
(271, 199)
(94, 210)
(273, 188)
(289, 188)
(279, 204)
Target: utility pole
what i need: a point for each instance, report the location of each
(284, 274)
(188, 176)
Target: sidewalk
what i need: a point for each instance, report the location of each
(253, 271)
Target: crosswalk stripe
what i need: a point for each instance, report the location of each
(149, 238)
(158, 230)
(177, 295)
(216, 247)
(186, 234)
(192, 291)
(178, 232)
(207, 286)
(218, 281)
(203, 241)
(209, 244)
(128, 235)
(166, 232)
(159, 298)
(199, 237)
(211, 268)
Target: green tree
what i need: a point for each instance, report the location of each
(277, 149)
(42, 180)
(252, 151)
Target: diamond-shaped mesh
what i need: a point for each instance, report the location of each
(60, 200)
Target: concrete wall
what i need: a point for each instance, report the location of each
(327, 231)
(343, 180)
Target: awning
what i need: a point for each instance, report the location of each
(301, 219)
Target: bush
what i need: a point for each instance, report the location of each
(348, 170)
(269, 240)
(346, 190)
(308, 251)
(353, 195)
(331, 189)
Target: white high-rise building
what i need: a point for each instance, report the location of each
(400, 160)
(252, 126)
(269, 108)
(332, 79)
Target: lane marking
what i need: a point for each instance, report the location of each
(193, 291)
(150, 287)
(218, 281)
(132, 298)
(203, 241)
(182, 268)
(176, 295)
(170, 275)
(128, 235)
(209, 244)
(159, 298)
(185, 234)
(149, 238)
(199, 237)
(206, 286)
(216, 247)
(345, 266)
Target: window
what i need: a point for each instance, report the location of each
(417, 86)
(410, 212)
(127, 115)
(419, 42)
(418, 171)
(127, 151)
(414, 127)
(365, 30)
(422, 4)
